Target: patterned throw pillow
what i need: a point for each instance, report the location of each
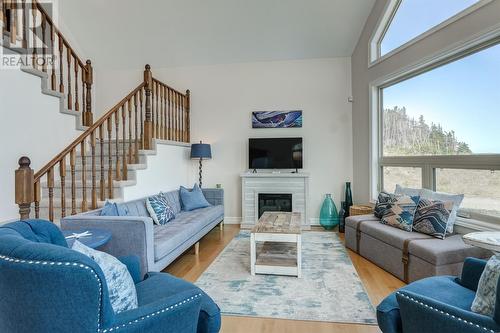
(432, 217)
(384, 202)
(400, 214)
(484, 302)
(159, 209)
(122, 292)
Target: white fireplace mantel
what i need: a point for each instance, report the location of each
(252, 184)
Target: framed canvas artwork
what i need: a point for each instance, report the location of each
(277, 119)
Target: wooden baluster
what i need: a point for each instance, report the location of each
(38, 198)
(61, 68)
(110, 159)
(117, 146)
(136, 139)
(141, 92)
(153, 111)
(177, 117)
(89, 80)
(84, 107)
(33, 13)
(77, 105)
(84, 176)
(124, 143)
(70, 96)
(169, 113)
(164, 112)
(182, 125)
(44, 48)
(158, 118)
(174, 110)
(130, 151)
(102, 184)
(62, 175)
(50, 185)
(13, 21)
(188, 116)
(25, 25)
(148, 124)
(24, 179)
(72, 166)
(94, 174)
(53, 79)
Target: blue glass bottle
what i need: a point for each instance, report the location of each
(329, 216)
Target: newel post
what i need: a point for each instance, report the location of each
(88, 118)
(24, 187)
(188, 116)
(148, 123)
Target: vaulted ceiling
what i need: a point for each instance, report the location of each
(166, 33)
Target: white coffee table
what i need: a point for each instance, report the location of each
(489, 240)
(280, 253)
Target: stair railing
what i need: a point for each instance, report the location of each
(32, 33)
(153, 110)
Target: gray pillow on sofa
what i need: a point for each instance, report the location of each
(121, 287)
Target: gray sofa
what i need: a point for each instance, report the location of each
(156, 245)
(409, 256)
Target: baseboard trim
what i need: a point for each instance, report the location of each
(232, 220)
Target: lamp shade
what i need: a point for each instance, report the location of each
(201, 150)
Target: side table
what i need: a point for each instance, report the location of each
(92, 238)
(489, 240)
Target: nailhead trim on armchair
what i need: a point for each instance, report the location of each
(151, 315)
(445, 313)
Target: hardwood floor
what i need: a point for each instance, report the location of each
(189, 266)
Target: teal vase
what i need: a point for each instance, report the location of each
(329, 216)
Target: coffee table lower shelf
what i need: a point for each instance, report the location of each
(276, 254)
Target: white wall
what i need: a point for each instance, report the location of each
(453, 34)
(167, 170)
(223, 97)
(31, 125)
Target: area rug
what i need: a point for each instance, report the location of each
(329, 290)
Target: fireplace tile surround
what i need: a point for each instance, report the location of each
(294, 184)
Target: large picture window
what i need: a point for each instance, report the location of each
(441, 130)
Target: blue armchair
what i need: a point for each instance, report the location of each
(47, 287)
(438, 304)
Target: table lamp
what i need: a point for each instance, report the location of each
(201, 151)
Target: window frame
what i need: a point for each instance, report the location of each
(429, 164)
(374, 48)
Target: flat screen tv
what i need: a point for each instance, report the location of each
(275, 153)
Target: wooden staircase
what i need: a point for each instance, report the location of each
(103, 160)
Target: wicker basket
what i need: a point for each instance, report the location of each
(360, 210)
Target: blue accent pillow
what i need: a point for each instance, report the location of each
(192, 199)
(113, 209)
(159, 209)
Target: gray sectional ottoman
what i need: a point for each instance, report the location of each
(409, 256)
